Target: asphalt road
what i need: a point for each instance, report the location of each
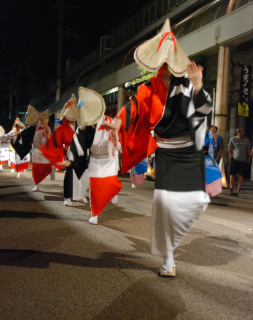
(55, 265)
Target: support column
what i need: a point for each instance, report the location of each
(221, 105)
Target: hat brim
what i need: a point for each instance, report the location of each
(32, 116)
(2, 131)
(45, 114)
(18, 122)
(162, 48)
(69, 111)
(91, 107)
(177, 64)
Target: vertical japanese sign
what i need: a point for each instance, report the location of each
(243, 104)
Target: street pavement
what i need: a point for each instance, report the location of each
(55, 265)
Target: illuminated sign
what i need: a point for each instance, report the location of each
(243, 105)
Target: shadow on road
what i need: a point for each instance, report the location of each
(40, 259)
(209, 251)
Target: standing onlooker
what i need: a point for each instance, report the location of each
(137, 173)
(217, 143)
(239, 154)
(212, 171)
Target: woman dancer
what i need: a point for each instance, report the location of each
(55, 150)
(91, 138)
(174, 104)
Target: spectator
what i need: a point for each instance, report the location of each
(239, 154)
(138, 173)
(212, 170)
(217, 143)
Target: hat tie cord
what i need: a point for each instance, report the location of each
(69, 104)
(164, 37)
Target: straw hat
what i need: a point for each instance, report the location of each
(69, 111)
(91, 107)
(163, 47)
(32, 116)
(45, 115)
(17, 121)
(2, 131)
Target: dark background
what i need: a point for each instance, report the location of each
(29, 41)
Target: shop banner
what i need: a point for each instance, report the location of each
(243, 104)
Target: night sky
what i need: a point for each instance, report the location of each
(29, 35)
(29, 31)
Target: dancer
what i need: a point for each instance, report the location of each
(55, 150)
(41, 167)
(4, 149)
(18, 163)
(2, 132)
(92, 138)
(22, 143)
(6, 142)
(174, 104)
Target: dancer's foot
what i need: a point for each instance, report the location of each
(84, 200)
(67, 202)
(18, 175)
(36, 188)
(93, 220)
(168, 269)
(115, 200)
(165, 273)
(52, 175)
(133, 186)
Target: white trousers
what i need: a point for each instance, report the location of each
(172, 216)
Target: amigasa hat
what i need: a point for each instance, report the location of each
(2, 131)
(17, 121)
(91, 107)
(162, 48)
(45, 115)
(31, 116)
(69, 111)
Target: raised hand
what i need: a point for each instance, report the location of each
(195, 75)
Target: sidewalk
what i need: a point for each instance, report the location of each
(246, 195)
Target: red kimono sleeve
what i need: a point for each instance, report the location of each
(57, 143)
(139, 117)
